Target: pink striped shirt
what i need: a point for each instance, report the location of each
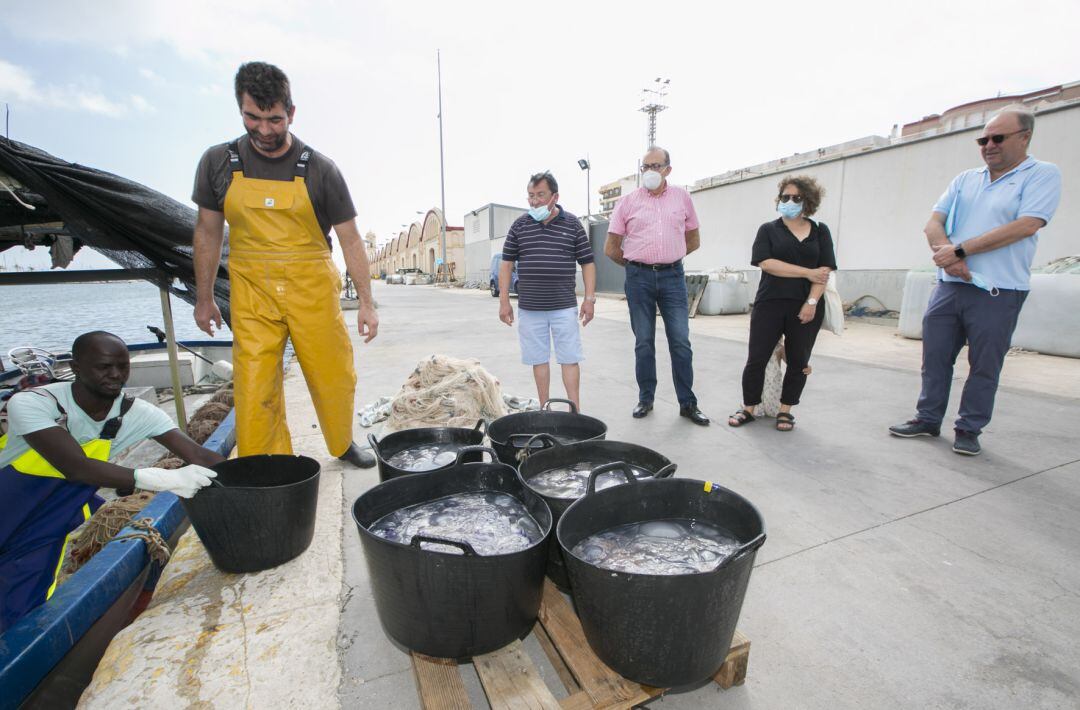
(654, 227)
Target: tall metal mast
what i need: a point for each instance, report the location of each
(652, 103)
(442, 174)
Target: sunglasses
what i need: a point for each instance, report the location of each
(998, 138)
(797, 199)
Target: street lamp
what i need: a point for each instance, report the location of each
(584, 165)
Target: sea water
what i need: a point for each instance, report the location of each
(671, 546)
(425, 457)
(492, 523)
(571, 482)
(50, 316)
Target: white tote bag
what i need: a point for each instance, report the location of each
(834, 307)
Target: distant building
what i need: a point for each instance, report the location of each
(485, 232)
(370, 250)
(611, 193)
(976, 113)
(420, 247)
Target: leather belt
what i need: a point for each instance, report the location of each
(654, 267)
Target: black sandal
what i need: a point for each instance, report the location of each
(743, 416)
(785, 418)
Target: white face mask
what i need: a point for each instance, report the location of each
(651, 179)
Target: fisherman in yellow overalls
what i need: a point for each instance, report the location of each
(280, 199)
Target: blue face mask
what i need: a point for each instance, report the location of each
(540, 213)
(789, 209)
(980, 281)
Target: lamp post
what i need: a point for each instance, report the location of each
(584, 165)
(442, 173)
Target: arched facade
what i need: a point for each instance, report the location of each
(420, 247)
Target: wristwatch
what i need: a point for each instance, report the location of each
(811, 301)
(591, 299)
(960, 253)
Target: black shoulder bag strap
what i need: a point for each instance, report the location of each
(112, 427)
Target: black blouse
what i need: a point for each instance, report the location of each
(775, 241)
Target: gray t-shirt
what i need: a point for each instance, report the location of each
(326, 187)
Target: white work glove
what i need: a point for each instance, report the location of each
(184, 481)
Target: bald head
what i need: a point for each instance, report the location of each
(657, 155)
(96, 342)
(101, 365)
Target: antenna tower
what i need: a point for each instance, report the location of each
(652, 103)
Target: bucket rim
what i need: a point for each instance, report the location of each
(366, 533)
(745, 549)
(221, 489)
(547, 413)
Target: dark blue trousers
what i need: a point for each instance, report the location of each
(960, 313)
(38, 513)
(645, 291)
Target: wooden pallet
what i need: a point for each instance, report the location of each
(511, 680)
(695, 289)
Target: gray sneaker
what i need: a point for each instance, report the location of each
(966, 443)
(915, 427)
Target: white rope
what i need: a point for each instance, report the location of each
(12, 193)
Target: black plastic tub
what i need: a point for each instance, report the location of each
(407, 438)
(600, 452)
(661, 630)
(508, 435)
(263, 516)
(448, 605)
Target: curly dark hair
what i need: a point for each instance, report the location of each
(809, 189)
(264, 83)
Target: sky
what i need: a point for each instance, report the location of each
(142, 88)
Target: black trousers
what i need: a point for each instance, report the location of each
(768, 321)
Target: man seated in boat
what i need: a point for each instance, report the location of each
(56, 454)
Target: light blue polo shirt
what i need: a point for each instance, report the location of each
(30, 412)
(974, 206)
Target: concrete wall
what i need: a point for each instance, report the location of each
(877, 202)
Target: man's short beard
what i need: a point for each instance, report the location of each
(279, 143)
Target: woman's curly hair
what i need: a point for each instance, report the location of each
(809, 189)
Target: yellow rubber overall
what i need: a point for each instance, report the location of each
(284, 284)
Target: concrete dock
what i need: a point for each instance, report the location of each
(896, 573)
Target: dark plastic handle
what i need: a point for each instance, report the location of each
(547, 405)
(604, 468)
(481, 425)
(374, 443)
(548, 439)
(473, 449)
(667, 471)
(459, 544)
(744, 550)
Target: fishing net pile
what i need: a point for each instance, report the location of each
(446, 391)
(102, 527)
(202, 424)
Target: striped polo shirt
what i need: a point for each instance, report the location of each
(546, 254)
